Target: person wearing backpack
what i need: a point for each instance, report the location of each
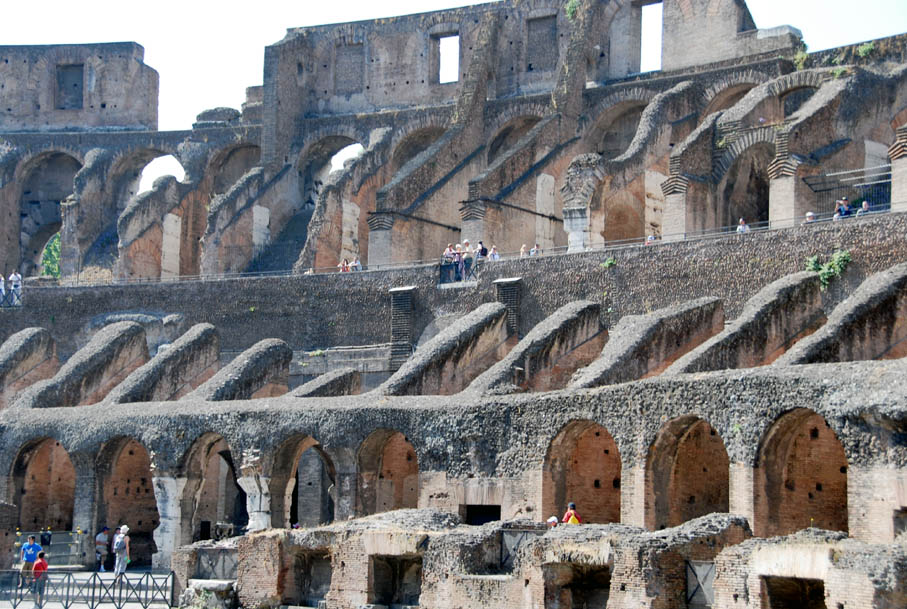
(121, 550)
(571, 516)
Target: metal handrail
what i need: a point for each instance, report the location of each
(70, 590)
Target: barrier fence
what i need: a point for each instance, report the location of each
(86, 590)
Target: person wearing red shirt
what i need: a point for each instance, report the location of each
(571, 516)
(39, 572)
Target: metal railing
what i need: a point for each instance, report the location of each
(11, 298)
(871, 184)
(80, 589)
(613, 245)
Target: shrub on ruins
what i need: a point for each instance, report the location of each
(830, 270)
(50, 259)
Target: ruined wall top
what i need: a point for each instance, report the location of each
(77, 87)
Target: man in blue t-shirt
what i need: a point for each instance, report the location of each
(29, 555)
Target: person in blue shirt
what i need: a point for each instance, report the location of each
(29, 555)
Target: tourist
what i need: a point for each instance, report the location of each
(493, 255)
(121, 550)
(551, 522)
(29, 554)
(15, 286)
(523, 251)
(842, 209)
(650, 240)
(344, 266)
(39, 572)
(458, 262)
(46, 536)
(357, 265)
(481, 251)
(810, 217)
(535, 251)
(100, 549)
(449, 254)
(742, 226)
(864, 208)
(571, 516)
(2, 287)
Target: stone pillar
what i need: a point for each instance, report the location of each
(674, 223)
(633, 495)
(401, 324)
(84, 509)
(898, 155)
(380, 228)
(576, 223)
(344, 491)
(786, 206)
(472, 213)
(508, 293)
(258, 499)
(740, 500)
(168, 492)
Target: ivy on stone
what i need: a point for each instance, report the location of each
(830, 270)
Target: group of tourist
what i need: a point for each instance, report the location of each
(844, 210)
(571, 516)
(15, 288)
(114, 550)
(346, 266)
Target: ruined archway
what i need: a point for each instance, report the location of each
(687, 473)
(213, 501)
(48, 181)
(616, 127)
(508, 135)
(583, 466)
(43, 485)
(744, 190)
(412, 145)
(388, 473)
(791, 101)
(126, 495)
(800, 478)
(302, 484)
(624, 218)
(231, 165)
(727, 98)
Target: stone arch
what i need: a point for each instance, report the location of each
(615, 120)
(583, 465)
(624, 218)
(43, 485)
(126, 494)
(47, 179)
(413, 144)
(743, 191)
(388, 471)
(314, 164)
(509, 134)
(726, 97)
(211, 494)
(800, 479)
(230, 164)
(302, 486)
(687, 473)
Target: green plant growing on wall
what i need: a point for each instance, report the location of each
(830, 270)
(571, 8)
(866, 49)
(839, 72)
(50, 259)
(608, 263)
(801, 58)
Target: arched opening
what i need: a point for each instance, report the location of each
(793, 100)
(616, 128)
(509, 135)
(745, 187)
(583, 466)
(687, 473)
(142, 178)
(801, 477)
(43, 486)
(126, 495)
(302, 484)
(413, 145)
(388, 473)
(316, 164)
(232, 165)
(49, 180)
(214, 504)
(624, 218)
(727, 98)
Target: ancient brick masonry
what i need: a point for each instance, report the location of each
(732, 431)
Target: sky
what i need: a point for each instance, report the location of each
(207, 53)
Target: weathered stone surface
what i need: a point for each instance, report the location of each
(870, 324)
(108, 358)
(644, 345)
(448, 362)
(178, 369)
(26, 357)
(533, 360)
(343, 381)
(258, 372)
(778, 316)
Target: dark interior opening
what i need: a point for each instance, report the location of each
(794, 593)
(900, 521)
(477, 515)
(204, 530)
(571, 586)
(395, 580)
(313, 570)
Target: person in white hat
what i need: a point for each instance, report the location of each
(121, 549)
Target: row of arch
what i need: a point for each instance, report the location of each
(800, 480)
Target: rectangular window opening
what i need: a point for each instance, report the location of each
(477, 515)
(70, 81)
(650, 60)
(448, 59)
